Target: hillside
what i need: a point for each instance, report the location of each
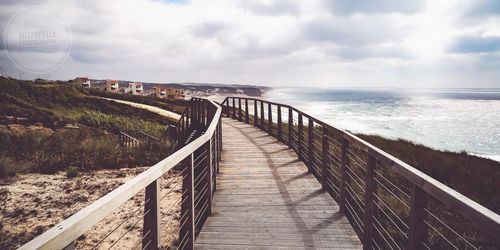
(51, 126)
(475, 177)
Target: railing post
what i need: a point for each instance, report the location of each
(220, 135)
(325, 176)
(343, 174)
(310, 137)
(279, 124)
(247, 116)
(262, 125)
(255, 114)
(198, 107)
(71, 246)
(151, 229)
(290, 125)
(200, 104)
(187, 206)
(418, 229)
(189, 115)
(370, 190)
(300, 136)
(204, 116)
(240, 109)
(209, 177)
(234, 108)
(193, 112)
(270, 118)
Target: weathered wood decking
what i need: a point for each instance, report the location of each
(265, 198)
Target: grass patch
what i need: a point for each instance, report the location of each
(93, 144)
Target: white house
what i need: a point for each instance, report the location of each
(83, 81)
(134, 88)
(112, 86)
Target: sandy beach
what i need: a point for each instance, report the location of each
(33, 203)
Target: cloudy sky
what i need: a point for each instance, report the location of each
(324, 43)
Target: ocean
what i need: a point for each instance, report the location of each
(447, 119)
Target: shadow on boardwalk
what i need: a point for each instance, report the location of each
(267, 199)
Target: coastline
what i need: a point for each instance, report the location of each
(366, 112)
(268, 95)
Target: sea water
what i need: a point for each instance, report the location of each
(447, 119)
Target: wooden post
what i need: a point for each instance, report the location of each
(193, 114)
(262, 125)
(71, 246)
(188, 120)
(300, 136)
(198, 104)
(370, 190)
(203, 113)
(187, 231)
(343, 174)
(234, 108)
(215, 161)
(151, 222)
(247, 116)
(325, 175)
(279, 124)
(206, 112)
(216, 152)
(240, 110)
(418, 228)
(255, 114)
(220, 144)
(209, 177)
(270, 118)
(290, 125)
(310, 137)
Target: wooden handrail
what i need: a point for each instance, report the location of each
(421, 184)
(66, 232)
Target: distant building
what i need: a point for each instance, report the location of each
(41, 80)
(134, 88)
(160, 92)
(170, 93)
(112, 86)
(83, 81)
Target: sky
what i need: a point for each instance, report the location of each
(313, 43)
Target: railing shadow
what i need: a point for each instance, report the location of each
(292, 205)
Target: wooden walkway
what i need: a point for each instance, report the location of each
(265, 198)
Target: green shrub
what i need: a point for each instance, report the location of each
(85, 149)
(71, 172)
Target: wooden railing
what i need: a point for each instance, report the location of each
(127, 140)
(390, 204)
(190, 171)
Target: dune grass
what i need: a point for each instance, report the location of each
(93, 144)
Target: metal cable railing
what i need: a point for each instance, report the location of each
(172, 199)
(390, 204)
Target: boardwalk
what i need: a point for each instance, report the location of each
(266, 199)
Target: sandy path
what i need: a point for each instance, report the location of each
(157, 110)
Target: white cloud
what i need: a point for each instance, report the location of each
(316, 42)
